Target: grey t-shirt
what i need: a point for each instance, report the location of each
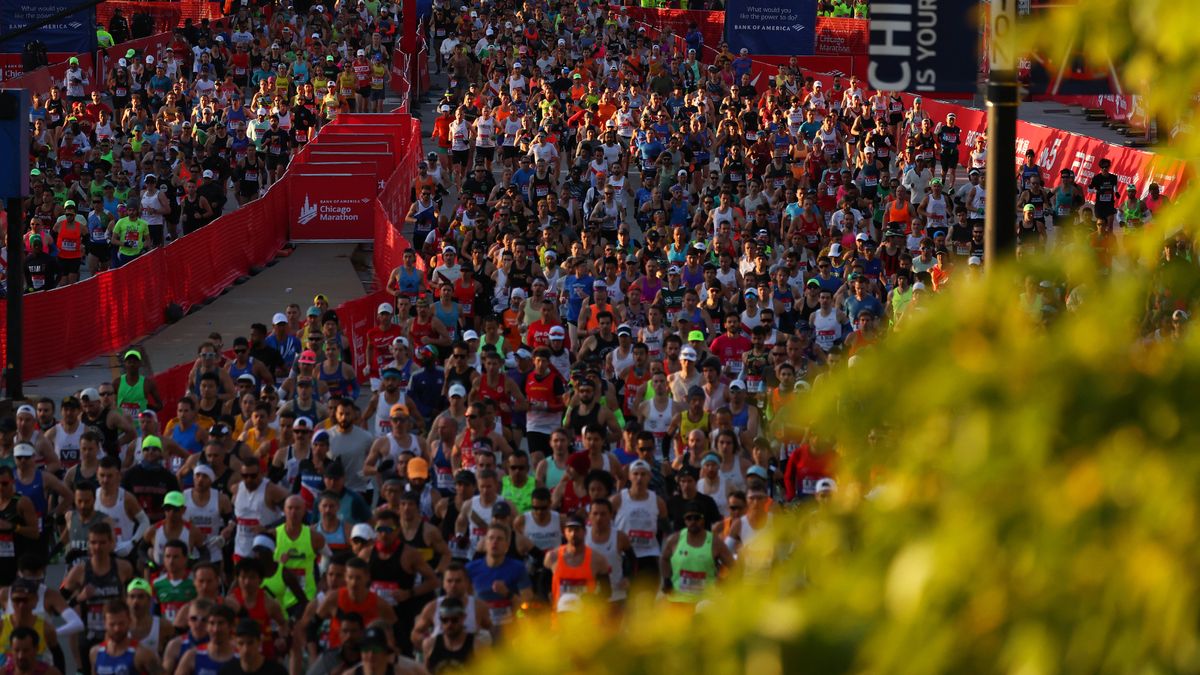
(351, 448)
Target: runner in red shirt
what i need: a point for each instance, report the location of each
(379, 343)
(730, 345)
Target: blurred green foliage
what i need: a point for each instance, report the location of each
(1029, 501)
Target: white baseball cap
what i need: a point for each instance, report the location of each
(362, 531)
(385, 308)
(279, 318)
(687, 354)
(557, 333)
(457, 390)
(470, 335)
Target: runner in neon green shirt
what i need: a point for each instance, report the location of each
(130, 233)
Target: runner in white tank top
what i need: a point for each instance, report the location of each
(620, 364)
(609, 550)
(719, 492)
(826, 329)
(66, 445)
(123, 526)
(546, 537)
(639, 521)
(395, 448)
(383, 412)
(206, 519)
(659, 421)
(475, 530)
(251, 510)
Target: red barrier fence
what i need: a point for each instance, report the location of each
(711, 24)
(70, 325)
(167, 15)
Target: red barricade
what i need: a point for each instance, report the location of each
(167, 15)
(172, 383)
(711, 24)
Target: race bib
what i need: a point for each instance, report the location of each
(70, 245)
(692, 582)
(501, 611)
(7, 546)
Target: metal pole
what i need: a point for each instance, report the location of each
(16, 291)
(1002, 100)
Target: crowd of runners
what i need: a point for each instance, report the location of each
(169, 139)
(633, 262)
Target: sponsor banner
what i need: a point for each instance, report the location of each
(774, 27)
(764, 67)
(331, 206)
(842, 37)
(924, 46)
(73, 34)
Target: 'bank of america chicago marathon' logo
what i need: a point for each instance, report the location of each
(329, 209)
(777, 28)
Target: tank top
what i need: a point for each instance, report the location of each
(132, 397)
(578, 579)
(937, 210)
(149, 209)
(692, 568)
(444, 659)
(123, 525)
(205, 664)
(259, 613)
(206, 519)
(110, 434)
(718, 492)
(544, 537)
(475, 530)
(638, 519)
(687, 426)
(368, 609)
(735, 478)
(898, 212)
(383, 412)
(443, 471)
(236, 371)
(612, 554)
(826, 329)
(35, 490)
(621, 363)
(302, 562)
(77, 530)
(104, 587)
(388, 576)
(498, 394)
(66, 445)
(70, 240)
(554, 473)
(251, 511)
(110, 664)
(161, 538)
(339, 385)
(8, 542)
(657, 422)
(335, 539)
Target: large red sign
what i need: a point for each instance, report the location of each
(331, 206)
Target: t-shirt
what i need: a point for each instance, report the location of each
(131, 236)
(511, 572)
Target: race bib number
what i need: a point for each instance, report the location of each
(70, 245)
(501, 611)
(692, 582)
(7, 546)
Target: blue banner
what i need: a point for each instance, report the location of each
(924, 46)
(771, 27)
(73, 34)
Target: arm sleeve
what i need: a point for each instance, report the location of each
(72, 624)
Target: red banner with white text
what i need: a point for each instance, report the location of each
(331, 206)
(842, 37)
